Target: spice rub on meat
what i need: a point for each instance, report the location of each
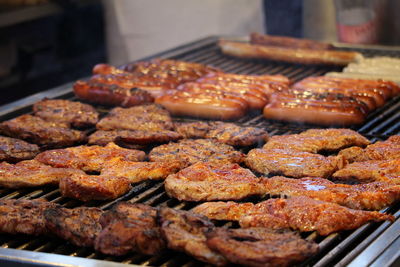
(298, 213)
(39, 131)
(190, 151)
(88, 158)
(76, 114)
(12, 149)
(130, 228)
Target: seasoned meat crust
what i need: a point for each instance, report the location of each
(76, 114)
(318, 140)
(260, 246)
(88, 158)
(32, 173)
(80, 226)
(19, 216)
(292, 163)
(130, 228)
(191, 151)
(38, 131)
(185, 231)
(12, 149)
(103, 138)
(298, 213)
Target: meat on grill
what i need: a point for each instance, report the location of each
(298, 213)
(185, 231)
(94, 187)
(194, 130)
(213, 181)
(13, 150)
(102, 138)
(292, 163)
(32, 173)
(318, 140)
(88, 158)
(19, 216)
(76, 114)
(130, 228)
(139, 171)
(80, 226)
(190, 151)
(38, 131)
(260, 246)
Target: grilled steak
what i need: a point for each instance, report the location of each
(103, 138)
(80, 226)
(76, 114)
(13, 150)
(260, 246)
(129, 228)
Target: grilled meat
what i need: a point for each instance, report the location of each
(193, 130)
(103, 138)
(298, 213)
(18, 216)
(76, 114)
(93, 187)
(318, 140)
(185, 231)
(292, 163)
(80, 226)
(36, 130)
(32, 173)
(130, 228)
(13, 150)
(191, 151)
(260, 246)
(143, 137)
(207, 181)
(88, 158)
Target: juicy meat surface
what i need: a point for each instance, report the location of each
(207, 181)
(32, 173)
(38, 131)
(185, 231)
(12, 149)
(193, 130)
(146, 118)
(371, 170)
(19, 216)
(80, 226)
(88, 158)
(130, 228)
(317, 140)
(139, 171)
(76, 114)
(102, 138)
(298, 213)
(260, 246)
(191, 151)
(292, 163)
(94, 187)
(144, 137)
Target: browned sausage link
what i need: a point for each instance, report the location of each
(302, 56)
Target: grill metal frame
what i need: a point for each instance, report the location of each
(374, 244)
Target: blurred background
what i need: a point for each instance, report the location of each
(45, 43)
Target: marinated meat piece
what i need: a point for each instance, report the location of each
(36, 130)
(371, 170)
(139, 171)
(260, 246)
(146, 118)
(130, 228)
(76, 114)
(191, 151)
(193, 130)
(13, 150)
(185, 231)
(292, 163)
(32, 173)
(19, 216)
(353, 154)
(318, 140)
(88, 158)
(80, 226)
(298, 213)
(92, 187)
(103, 138)
(207, 181)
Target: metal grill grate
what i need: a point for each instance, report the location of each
(372, 242)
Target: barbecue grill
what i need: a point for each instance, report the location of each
(374, 244)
